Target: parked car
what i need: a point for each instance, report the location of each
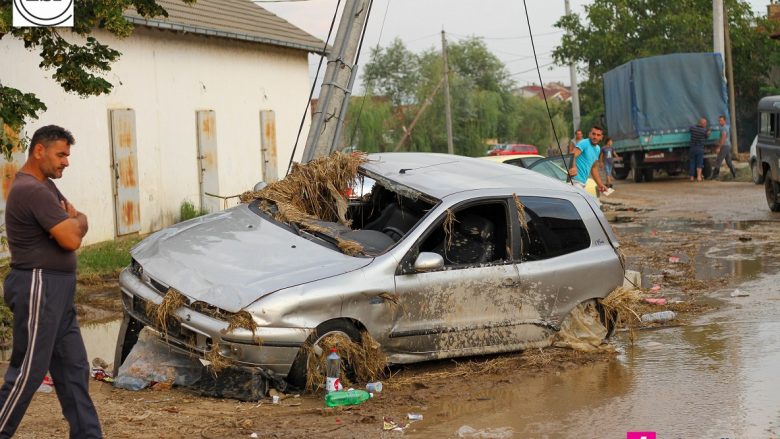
(550, 166)
(513, 149)
(447, 269)
(755, 169)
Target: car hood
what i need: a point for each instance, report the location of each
(232, 258)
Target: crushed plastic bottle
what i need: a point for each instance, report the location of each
(660, 316)
(347, 397)
(332, 372)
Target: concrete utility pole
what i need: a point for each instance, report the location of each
(337, 84)
(730, 80)
(575, 92)
(448, 111)
(717, 28)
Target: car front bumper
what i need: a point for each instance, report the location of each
(270, 348)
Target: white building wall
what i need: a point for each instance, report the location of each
(166, 77)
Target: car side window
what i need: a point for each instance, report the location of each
(555, 228)
(470, 236)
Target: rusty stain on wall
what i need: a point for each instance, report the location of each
(127, 172)
(129, 213)
(270, 134)
(9, 173)
(207, 127)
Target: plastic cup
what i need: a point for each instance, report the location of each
(374, 387)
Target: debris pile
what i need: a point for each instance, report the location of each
(361, 362)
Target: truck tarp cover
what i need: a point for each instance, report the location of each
(664, 94)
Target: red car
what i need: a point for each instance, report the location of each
(512, 149)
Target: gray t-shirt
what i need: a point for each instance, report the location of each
(725, 130)
(33, 208)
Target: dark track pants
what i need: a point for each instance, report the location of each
(46, 336)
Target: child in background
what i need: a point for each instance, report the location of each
(608, 155)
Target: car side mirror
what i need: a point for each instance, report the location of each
(428, 261)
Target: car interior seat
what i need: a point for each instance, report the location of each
(471, 241)
(393, 221)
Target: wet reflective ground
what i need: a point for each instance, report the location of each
(715, 377)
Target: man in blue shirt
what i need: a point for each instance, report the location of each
(724, 150)
(586, 156)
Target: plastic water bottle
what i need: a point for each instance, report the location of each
(660, 316)
(332, 372)
(347, 397)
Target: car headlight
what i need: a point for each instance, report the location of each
(136, 268)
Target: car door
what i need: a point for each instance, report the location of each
(464, 306)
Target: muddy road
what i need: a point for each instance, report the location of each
(712, 247)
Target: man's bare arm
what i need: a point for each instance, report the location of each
(69, 232)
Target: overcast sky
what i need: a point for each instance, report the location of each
(418, 23)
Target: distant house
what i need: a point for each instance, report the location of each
(553, 90)
(206, 103)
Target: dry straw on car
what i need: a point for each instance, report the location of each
(163, 314)
(314, 191)
(366, 360)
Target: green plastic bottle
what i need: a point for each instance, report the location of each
(347, 397)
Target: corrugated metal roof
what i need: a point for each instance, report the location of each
(236, 19)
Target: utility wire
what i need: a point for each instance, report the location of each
(313, 84)
(521, 37)
(544, 94)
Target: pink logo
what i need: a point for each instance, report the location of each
(640, 435)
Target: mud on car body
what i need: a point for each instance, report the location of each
(460, 257)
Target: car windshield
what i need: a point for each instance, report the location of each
(551, 167)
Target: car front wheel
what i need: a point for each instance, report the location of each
(331, 328)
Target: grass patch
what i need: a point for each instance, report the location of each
(106, 258)
(188, 211)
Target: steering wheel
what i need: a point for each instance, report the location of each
(393, 232)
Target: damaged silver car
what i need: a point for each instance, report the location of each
(454, 256)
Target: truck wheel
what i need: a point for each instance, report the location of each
(706, 172)
(772, 192)
(647, 174)
(620, 173)
(638, 175)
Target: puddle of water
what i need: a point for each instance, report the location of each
(100, 341)
(716, 378)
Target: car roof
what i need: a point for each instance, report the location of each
(504, 158)
(440, 175)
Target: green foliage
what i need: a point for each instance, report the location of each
(106, 258)
(77, 66)
(614, 32)
(483, 103)
(187, 211)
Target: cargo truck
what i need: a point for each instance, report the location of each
(652, 102)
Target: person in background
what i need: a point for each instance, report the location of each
(606, 160)
(699, 134)
(586, 156)
(577, 139)
(723, 150)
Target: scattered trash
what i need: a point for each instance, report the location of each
(347, 397)
(332, 371)
(253, 435)
(375, 387)
(151, 360)
(415, 416)
(388, 424)
(275, 399)
(485, 433)
(99, 363)
(655, 300)
(738, 293)
(660, 316)
(47, 385)
(582, 329)
(674, 259)
(100, 374)
(655, 288)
